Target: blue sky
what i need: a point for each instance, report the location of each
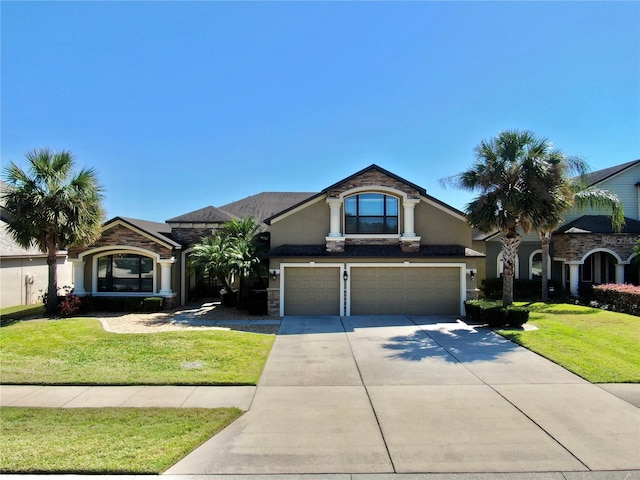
(180, 105)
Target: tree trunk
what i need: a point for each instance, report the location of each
(509, 251)
(545, 239)
(51, 306)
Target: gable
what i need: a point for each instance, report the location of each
(120, 232)
(373, 177)
(621, 181)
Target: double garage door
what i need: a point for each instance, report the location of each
(381, 290)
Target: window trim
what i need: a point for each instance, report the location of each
(531, 264)
(384, 216)
(98, 252)
(140, 279)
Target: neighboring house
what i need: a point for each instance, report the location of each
(372, 243)
(585, 249)
(24, 273)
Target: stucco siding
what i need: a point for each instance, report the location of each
(437, 227)
(14, 289)
(307, 226)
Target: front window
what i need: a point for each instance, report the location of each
(370, 213)
(125, 273)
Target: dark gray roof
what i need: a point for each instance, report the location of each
(374, 251)
(266, 204)
(597, 224)
(204, 215)
(158, 230)
(601, 175)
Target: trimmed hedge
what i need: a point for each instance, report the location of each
(495, 315)
(523, 290)
(128, 304)
(617, 297)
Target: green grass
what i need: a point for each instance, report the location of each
(78, 351)
(104, 440)
(598, 345)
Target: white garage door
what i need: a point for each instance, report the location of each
(405, 290)
(312, 291)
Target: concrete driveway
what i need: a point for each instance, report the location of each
(417, 394)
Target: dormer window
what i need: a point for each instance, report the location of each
(371, 213)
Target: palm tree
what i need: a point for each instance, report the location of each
(234, 250)
(511, 196)
(52, 207)
(211, 255)
(244, 251)
(567, 188)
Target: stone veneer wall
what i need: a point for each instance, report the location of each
(273, 302)
(123, 236)
(572, 247)
(190, 236)
(373, 178)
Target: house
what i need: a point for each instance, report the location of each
(24, 274)
(584, 249)
(370, 243)
(140, 258)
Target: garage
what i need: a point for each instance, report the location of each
(411, 290)
(312, 290)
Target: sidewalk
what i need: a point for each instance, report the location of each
(126, 396)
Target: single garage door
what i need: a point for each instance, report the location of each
(312, 291)
(405, 290)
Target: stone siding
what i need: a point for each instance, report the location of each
(190, 236)
(373, 178)
(120, 235)
(273, 302)
(372, 241)
(573, 247)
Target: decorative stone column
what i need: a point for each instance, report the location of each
(334, 227)
(409, 241)
(165, 276)
(409, 206)
(574, 278)
(335, 240)
(78, 277)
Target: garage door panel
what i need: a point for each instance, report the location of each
(312, 291)
(405, 290)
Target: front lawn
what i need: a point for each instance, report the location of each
(104, 440)
(78, 351)
(598, 345)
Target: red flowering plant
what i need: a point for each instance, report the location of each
(618, 297)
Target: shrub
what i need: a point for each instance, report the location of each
(69, 305)
(618, 297)
(152, 304)
(517, 316)
(523, 290)
(495, 315)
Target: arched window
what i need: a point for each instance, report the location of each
(125, 272)
(516, 266)
(535, 265)
(371, 213)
